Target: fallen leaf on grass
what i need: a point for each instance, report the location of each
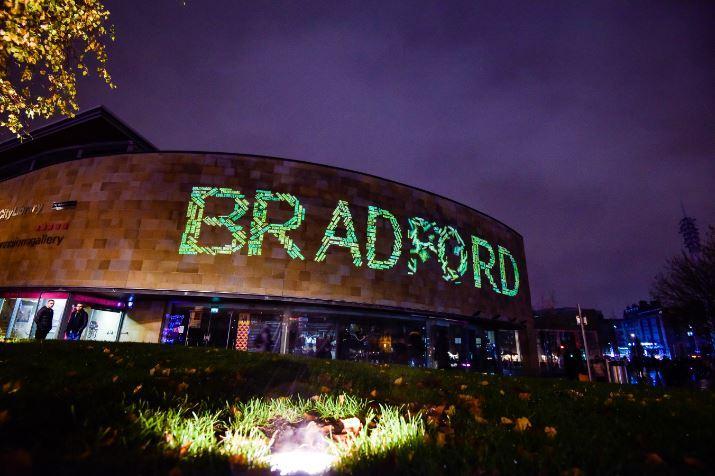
(137, 389)
(522, 424)
(324, 389)
(16, 462)
(462, 387)
(352, 425)
(373, 394)
(472, 403)
(480, 420)
(506, 421)
(185, 448)
(109, 436)
(106, 350)
(182, 387)
(694, 462)
(398, 381)
(484, 382)
(653, 459)
(115, 379)
(550, 432)
(12, 387)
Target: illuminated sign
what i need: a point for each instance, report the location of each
(426, 239)
(7, 213)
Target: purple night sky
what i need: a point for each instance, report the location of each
(583, 125)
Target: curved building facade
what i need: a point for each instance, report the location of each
(253, 253)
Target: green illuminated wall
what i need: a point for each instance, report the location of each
(428, 240)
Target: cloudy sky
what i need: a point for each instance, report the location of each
(583, 125)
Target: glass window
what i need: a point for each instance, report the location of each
(57, 312)
(7, 306)
(102, 325)
(313, 336)
(22, 318)
(382, 341)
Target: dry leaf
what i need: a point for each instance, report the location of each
(550, 431)
(182, 387)
(398, 381)
(373, 394)
(352, 425)
(522, 424)
(185, 448)
(694, 462)
(137, 389)
(463, 387)
(506, 421)
(324, 389)
(653, 459)
(484, 383)
(115, 379)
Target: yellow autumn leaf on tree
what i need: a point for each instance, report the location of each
(43, 45)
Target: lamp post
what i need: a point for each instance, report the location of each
(580, 320)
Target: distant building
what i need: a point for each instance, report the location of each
(558, 332)
(648, 323)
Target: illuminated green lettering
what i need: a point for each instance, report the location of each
(420, 251)
(195, 217)
(340, 214)
(504, 287)
(480, 265)
(449, 274)
(372, 214)
(260, 225)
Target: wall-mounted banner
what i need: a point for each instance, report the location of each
(492, 264)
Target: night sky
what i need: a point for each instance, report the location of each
(583, 125)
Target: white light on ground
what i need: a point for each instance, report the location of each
(301, 462)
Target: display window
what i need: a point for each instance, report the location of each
(264, 332)
(313, 335)
(21, 321)
(229, 328)
(102, 325)
(382, 341)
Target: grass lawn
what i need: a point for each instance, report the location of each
(101, 408)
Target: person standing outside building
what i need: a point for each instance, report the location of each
(77, 323)
(43, 320)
